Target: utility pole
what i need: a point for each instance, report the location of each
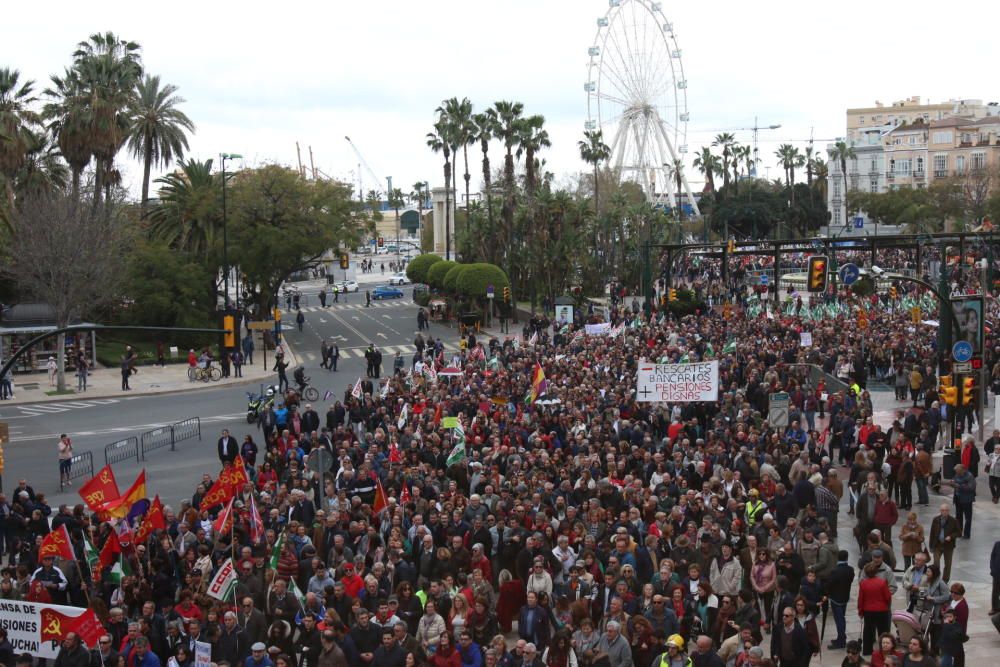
(312, 165)
(298, 153)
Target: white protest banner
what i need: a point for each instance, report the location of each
(202, 654)
(223, 581)
(678, 383)
(805, 339)
(39, 628)
(597, 329)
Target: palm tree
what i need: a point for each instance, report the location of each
(158, 129)
(16, 122)
(785, 159)
(531, 138)
(43, 171)
(842, 152)
(725, 140)
(66, 115)
(594, 151)
(820, 174)
(678, 170)
(709, 165)
(508, 117)
(809, 165)
(736, 154)
(460, 116)
(418, 195)
(484, 125)
(439, 141)
(108, 69)
(187, 214)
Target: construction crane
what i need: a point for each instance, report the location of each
(371, 172)
(757, 127)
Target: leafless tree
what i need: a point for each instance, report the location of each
(68, 257)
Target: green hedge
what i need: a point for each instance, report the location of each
(417, 269)
(474, 280)
(450, 282)
(437, 272)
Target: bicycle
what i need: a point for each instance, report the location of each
(309, 393)
(205, 374)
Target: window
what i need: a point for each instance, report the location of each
(940, 166)
(836, 189)
(943, 137)
(861, 120)
(902, 167)
(920, 165)
(967, 137)
(960, 164)
(873, 186)
(978, 161)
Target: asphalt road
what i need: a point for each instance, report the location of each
(35, 428)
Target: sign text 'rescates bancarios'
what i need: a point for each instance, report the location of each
(677, 383)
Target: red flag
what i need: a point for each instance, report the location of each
(108, 551)
(220, 493)
(119, 507)
(154, 520)
(437, 414)
(380, 499)
(394, 456)
(100, 490)
(57, 543)
(404, 495)
(256, 523)
(237, 476)
(224, 521)
(55, 626)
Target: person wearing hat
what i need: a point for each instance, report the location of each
(754, 508)
(674, 656)
(258, 656)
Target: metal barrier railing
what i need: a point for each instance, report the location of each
(81, 465)
(121, 450)
(170, 435)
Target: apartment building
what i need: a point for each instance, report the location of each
(894, 146)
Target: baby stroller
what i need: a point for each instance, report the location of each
(917, 621)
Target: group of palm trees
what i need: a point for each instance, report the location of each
(458, 127)
(735, 161)
(103, 102)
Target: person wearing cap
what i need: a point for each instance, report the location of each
(258, 656)
(674, 655)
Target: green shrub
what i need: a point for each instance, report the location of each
(474, 280)
(437, 272)
(450, 282)
(416, 270)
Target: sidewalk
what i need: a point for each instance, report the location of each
(172, 378)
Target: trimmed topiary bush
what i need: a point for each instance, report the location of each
(437, 272)
(474, 280)
(417, 269)
(450, 282)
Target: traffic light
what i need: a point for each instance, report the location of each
(229, 324)
(817, 274)
(381, 241)
(947, 392)
(277, 314)
(893, 293)
(968, 389)
(673, 295)
(1, 460)
(732, 246)
(345, 261)
(506, 295)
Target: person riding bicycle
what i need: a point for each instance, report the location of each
(300, 378)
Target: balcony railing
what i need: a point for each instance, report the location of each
(918, 175)
(940, 173)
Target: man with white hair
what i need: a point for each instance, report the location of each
(616, 646)
(231, 645)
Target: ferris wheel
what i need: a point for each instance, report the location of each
(637, 97)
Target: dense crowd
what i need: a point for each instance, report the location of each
(580, 528)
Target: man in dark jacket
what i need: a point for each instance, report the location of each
(73, 653)
(789, 643)
(309, 642)
(838, 588)
(310, 420)
(232, 645)
(228, 448)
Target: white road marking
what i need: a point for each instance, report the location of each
(381, 334)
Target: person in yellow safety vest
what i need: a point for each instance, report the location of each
(675, 656)
(754, 508)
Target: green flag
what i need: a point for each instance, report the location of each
(90, 554)
(294, 588)
(684, 359)
(709, 349)
(457, 454)
(730, 347)
(120, 570)
(493, 364)
(276, 551)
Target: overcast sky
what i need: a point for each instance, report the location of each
(261, 76)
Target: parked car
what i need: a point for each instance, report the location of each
(386, 292)
(399, 279)
(348, 285)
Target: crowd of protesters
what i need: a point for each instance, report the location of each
(585, 528)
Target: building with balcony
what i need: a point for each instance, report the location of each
(959, 146)
(895, 147)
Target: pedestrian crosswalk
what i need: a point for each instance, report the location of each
(63, 406)
(387, 351)
(394, 303)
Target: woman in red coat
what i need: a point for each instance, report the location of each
(874, 606)
(510, 600)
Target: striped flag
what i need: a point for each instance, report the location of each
(276, 551)
(256, 523)
(538, 384)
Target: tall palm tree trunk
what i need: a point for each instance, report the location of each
(147, 165)
(467, 176)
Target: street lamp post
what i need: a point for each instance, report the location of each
(225, 234)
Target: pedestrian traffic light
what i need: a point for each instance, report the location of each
(893, 293)
(229, 324)
(817, 273)
(946, 390)
(506, 295)
(968, 389)
(673, 295)
(381, 241)
(345, 261)
(732, 246)
(277, 314)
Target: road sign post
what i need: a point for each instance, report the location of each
(777, 410)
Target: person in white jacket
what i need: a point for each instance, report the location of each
(539, 581)
(726, 573)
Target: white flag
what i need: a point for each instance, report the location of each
(223, 582)
(403, 414)
(297, 592)
(385, 390)
(534, 339)
(356, 392)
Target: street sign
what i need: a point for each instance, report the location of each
(763, 279)
(859, 222)
(849, 273)
(961, 351)
(266, 325)
(963, 367)
(489, 291)
(777, 410)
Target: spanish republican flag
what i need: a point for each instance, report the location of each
(538, 384)
(119, 508)
(102, 489)
(57, 544)
(55, 626)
